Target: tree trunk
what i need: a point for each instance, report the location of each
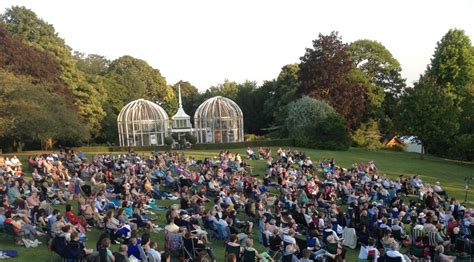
(422, 152)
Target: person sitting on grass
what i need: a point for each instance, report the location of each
(104, 252)
(153, 254)
(21, 227)
(121, 255)
(249, 248)
(77, 251)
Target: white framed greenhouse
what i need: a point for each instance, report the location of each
(219, 120)
(142, 123)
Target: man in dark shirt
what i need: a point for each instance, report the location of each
(76, 250)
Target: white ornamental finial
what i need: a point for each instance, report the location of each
(179, 96)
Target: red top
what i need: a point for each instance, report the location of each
(71, 217)
(10, 221)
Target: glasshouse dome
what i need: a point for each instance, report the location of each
(219, 120)
(142, 123)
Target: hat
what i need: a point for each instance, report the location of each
(456, 230)
(395, 209)
(437, 182)
(421, 215)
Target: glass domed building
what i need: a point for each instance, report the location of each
(219, 120)
(142, 123)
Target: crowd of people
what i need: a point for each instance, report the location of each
(299, 210)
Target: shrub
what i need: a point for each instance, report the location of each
(306, 113)
(332, 133)
(191, 138)
(252, 137)
(315, 124)
(368, 135)
(169, 140)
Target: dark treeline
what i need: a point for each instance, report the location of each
(340, 94)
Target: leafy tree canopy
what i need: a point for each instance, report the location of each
(31, 30)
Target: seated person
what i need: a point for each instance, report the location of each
(369, 252)
(22, 227)
(77, 251)
(122, 254)
(393, 254)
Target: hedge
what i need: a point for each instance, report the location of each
(258, 143)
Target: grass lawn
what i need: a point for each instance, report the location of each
(450, 173)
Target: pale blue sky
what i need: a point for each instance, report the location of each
(205, 42)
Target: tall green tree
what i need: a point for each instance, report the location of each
(227, 89)
(35, 114)
(25, 25)
(92, 64)
(251, 102)
(385, 82)
(130, 78)
(279, 93)
(427, 113)
(452, 65)
(452, 68)
(327, 72)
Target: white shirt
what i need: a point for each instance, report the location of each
(364, 252)
(395, 254)
(289, 239)
(154, 256)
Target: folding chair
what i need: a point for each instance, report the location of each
(233, 250)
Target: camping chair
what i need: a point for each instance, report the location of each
(57, 245)
(10, 231)
(208, 227)
(188, 248)
(265, 241)
(418, 252)
(460, 245)
(463, 258)
(248, 256)
(222, 233)
(233, 250)
(302, 244)
(275, 248)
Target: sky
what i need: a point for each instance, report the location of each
(205, 42)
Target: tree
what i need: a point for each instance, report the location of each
(427, 113)
(35, 114)
(452, 69)
(385, 82)
(278, 94)
(91, 64)
(452, 65)
(305, 112)
(251, 102)
(314, 123)
(327, 72)
(31, 30)
(130, 78)
(227, 89)
(368, 135)
(21, 59)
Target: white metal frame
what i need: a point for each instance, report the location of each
(219, 120)
(139, 120)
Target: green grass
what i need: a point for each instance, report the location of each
(450, 173)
